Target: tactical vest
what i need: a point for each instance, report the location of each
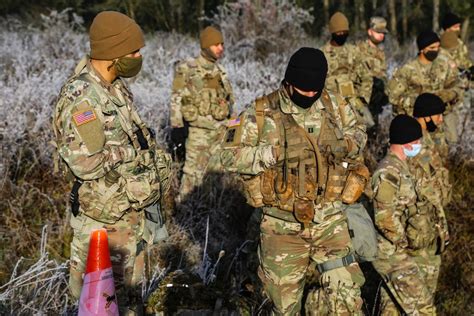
(208, 97)
(136, 184)
(310, 171)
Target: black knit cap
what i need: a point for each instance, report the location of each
(450, 19)
(426, 38)
(404, 129)
(307, 69)
(428, 104)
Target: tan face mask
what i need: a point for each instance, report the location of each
(128, 67)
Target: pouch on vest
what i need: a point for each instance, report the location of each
(155, 228)
(345, 88)
(362, 232)
(190, 112)
(252, 190)
(421, 231)
(355, 184)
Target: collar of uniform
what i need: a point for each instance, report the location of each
(402, 163)
(110, 87)
(205, 62)
(288, 107)
(97, 76)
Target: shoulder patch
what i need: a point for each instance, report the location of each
(234, 122)
(89, 127)
(84, 114)
(390, 177)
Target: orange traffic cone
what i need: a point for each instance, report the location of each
(98, 290)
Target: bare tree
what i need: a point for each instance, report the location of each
(326, 11)
(393, 17)
(374, 5)
(465, 29)
(435, 15)
(404, 19)
(361, 9)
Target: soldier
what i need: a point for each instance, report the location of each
(427, 232)
(294, 148)
(429, 72)
(460, 53)
(202, 97)
(374, 57)
(348, 74)
(111, 155)
(394, 204)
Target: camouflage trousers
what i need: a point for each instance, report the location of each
(198, 145)
(127, 260)
(287, 250)
(429, 264)
(407, 285)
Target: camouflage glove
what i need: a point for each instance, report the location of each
(449, 96)
(146, 157)
(127, 153)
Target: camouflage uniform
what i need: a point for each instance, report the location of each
(394, 205)
(95, 125)
(203, 97)
(428, 228)
(350, 76)
(287, 246)
(438, 77)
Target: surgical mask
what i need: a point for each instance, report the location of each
(128, 67)
(339, 39)
(431, 55)
(431, 126)
(303, 101)
(415, 150)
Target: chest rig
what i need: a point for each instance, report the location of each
(309, 170)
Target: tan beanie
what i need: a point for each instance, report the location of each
(449, 40)
(113, 35)
(210, 36)
(338, 23)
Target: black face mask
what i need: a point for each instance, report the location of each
(431, 55)
(339, 39)
(303, 101)
(431, 126)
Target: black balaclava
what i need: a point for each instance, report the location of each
(426, 105)
(404, 129)
(306, 70)
(340, 39)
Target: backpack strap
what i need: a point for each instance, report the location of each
(265, 102)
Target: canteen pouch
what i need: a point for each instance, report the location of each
(304, 210)
(355, 184)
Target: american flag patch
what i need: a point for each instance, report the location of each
(83, 117)
(234, 122)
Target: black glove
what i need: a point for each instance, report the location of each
(141, 139)
(178, 141)
(471, 73)
(378, 98)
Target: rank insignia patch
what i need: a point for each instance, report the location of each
(83, 117)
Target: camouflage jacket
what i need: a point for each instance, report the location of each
(431, 180)
(346, 65)
(374, 59)
(394, 201)
(252, 155)
(460, 55)
(202, 94)
(95, 125)
(439, 77)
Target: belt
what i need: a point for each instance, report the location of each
(337, 263)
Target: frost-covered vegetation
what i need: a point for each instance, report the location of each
(209, 248)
